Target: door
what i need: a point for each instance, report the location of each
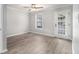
(1, 35)
(63, 24)
(3, 47)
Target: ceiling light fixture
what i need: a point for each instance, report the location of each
(34, 7)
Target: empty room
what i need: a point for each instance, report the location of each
(36, 29)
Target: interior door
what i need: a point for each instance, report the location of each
(1, 35)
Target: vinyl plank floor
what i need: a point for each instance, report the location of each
(30, 43)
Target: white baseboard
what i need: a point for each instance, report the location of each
(3, 51)
(16, 34)
(51, 35)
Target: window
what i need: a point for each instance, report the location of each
(38, 21)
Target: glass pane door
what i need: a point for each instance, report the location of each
(61, 24)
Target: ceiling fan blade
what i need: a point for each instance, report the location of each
(26, 7)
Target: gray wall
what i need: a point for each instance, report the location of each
(48, 20)
(17, 21)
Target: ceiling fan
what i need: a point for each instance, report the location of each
(34, 6)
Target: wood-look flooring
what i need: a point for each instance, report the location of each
(31, 43)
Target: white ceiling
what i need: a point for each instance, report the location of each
(28, 5)
(21, 6)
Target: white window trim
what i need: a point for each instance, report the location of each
(36, 22)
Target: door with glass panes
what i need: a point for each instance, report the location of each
(63, 24)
